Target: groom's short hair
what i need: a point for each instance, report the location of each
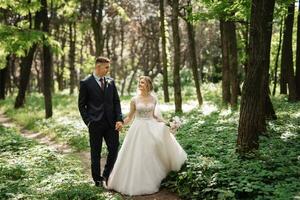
(102, 59)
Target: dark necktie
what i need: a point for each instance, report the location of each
(101, 83)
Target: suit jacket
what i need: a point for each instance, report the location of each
(94, 103)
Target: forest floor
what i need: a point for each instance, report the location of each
(83, 156)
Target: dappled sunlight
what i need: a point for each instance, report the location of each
(288, 135)
(226, 112)
(70, 121)
(208, 108)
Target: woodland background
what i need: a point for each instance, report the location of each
(229, 68)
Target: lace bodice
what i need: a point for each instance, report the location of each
(144, 109)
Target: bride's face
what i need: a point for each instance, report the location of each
(143, 85)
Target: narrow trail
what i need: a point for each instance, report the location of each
(83, 156)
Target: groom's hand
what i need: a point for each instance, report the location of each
(118, 126)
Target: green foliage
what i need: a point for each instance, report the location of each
(18, 40)
(225, 9)
(214, 170)
(21, 7)
(32, 171)
(66, 125)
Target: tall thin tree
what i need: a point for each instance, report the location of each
(97, 26)
(176, 56)
(192, 52)
(165, 58)
(47, 62)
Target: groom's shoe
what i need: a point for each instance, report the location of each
(98, 183)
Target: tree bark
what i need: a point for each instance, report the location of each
(192, 52)
(61, 66)
(176, 43)
(277, 58)
(225, 64)
(26, 63)
(3, 78)
(97, 18)
(165, 60)
(298, 54)
(72, 40)
(287, 52)
(253, 90)
(233, 63)
(47, 63)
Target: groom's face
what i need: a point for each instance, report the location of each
(102, 69)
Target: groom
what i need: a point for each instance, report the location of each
(100, 109)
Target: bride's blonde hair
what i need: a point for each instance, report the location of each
(148, 81)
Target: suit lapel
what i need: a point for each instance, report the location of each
(96, 86)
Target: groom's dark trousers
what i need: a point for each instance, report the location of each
(100, 110)
(98, 131)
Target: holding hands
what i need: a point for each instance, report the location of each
(119, 126)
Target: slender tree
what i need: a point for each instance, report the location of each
(97, 26)
(177, 56)
(192, 52)
(165, 59)
(233, 63)
(47, 62)
(298, 54)
(225, 63)
(26, 63)
(72, 54)
(4, 78)
(277, 58)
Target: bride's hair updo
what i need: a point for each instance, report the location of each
(148, 81)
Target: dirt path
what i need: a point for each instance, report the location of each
(84, 157)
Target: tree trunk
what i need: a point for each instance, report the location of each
(287, 52)
(123, 66)
(61, 66)
(192, 52)
(37, 66)
(72, 39)
(165, 59)
(277, 58)
(3, 78)
(298, 55)
(253, 90)
(176, 42)
(97, 26)
(233, 63)
(225, 63)
(26, 63)
(113, 70)
(47, 62)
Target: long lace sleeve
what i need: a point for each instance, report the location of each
(131, 113)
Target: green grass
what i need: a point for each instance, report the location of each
(214, 170)
(65, 125)
(32, 171)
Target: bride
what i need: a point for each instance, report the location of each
(149, 150)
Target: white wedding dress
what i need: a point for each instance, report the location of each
(148, 153)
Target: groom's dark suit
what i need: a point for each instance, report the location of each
(100, 110)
